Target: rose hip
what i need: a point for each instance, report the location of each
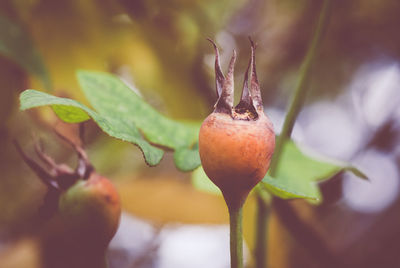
(236, 144)
(85, 204)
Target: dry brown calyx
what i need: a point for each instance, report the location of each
(250, 107)
(57, 177)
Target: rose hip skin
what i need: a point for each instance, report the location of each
(235, 153)
(91, 210)
(84, 204)
(236, 144)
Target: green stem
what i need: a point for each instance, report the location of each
(302, 85)
(96, 260)
(236, 237)
(105, 262)
(261, 233)
(296, 103)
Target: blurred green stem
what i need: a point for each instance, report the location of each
(261, 233)
(236, 237)
(105, 261)
(99, 261)
(295, 105)
(300, 92)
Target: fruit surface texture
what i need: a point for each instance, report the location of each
(92, 209)
(236, 143)
(235, 153)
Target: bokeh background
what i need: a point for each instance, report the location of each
(159, 48)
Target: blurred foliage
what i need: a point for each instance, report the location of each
(296, 177)
(159, 50)
(159, 47)
(297, 174)
(202, 182)
(119, 112)
(17, 45)
(108, 37)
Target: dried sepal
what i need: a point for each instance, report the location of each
(50, 204)
(57, 170)
(245, 99)
(225, 102)
(236, 146)
(255, 91)
(48, 178)
(58, 176)
(47, 160)
(250, 106)
(245, 109)
(219, 75)
(50, 201)
(84, 167)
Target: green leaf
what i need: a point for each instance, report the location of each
(356, 172)
(70, 114)
(288, 189)
(109, 95)
(74, 112)
(120, 112)
(69, 110)
(201, 182)
(16, 44)
(187, 159)
(297, 174)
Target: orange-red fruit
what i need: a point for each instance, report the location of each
(91, 211)
(236, 153)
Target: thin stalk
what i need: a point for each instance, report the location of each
(302, 85)
(236, 237)
(261, 233)
(99, 260)
(104, 262)
(295, 105)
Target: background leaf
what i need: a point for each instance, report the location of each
(16, 44)
(201, 182)
(109, 95)
(187, 159)
(297, 174)
(286, 188)
(120, 112)
(74, 112)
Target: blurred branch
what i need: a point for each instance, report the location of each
(261, 238)
(302, 87)
(285, 212)
(305, 235)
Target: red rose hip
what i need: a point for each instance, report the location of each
(236, 144)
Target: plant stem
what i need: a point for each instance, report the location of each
(261, 233)
(294, 108)
(105, 262)
(302, 85)
(99, 260)
(236, 237)
(306, 236)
